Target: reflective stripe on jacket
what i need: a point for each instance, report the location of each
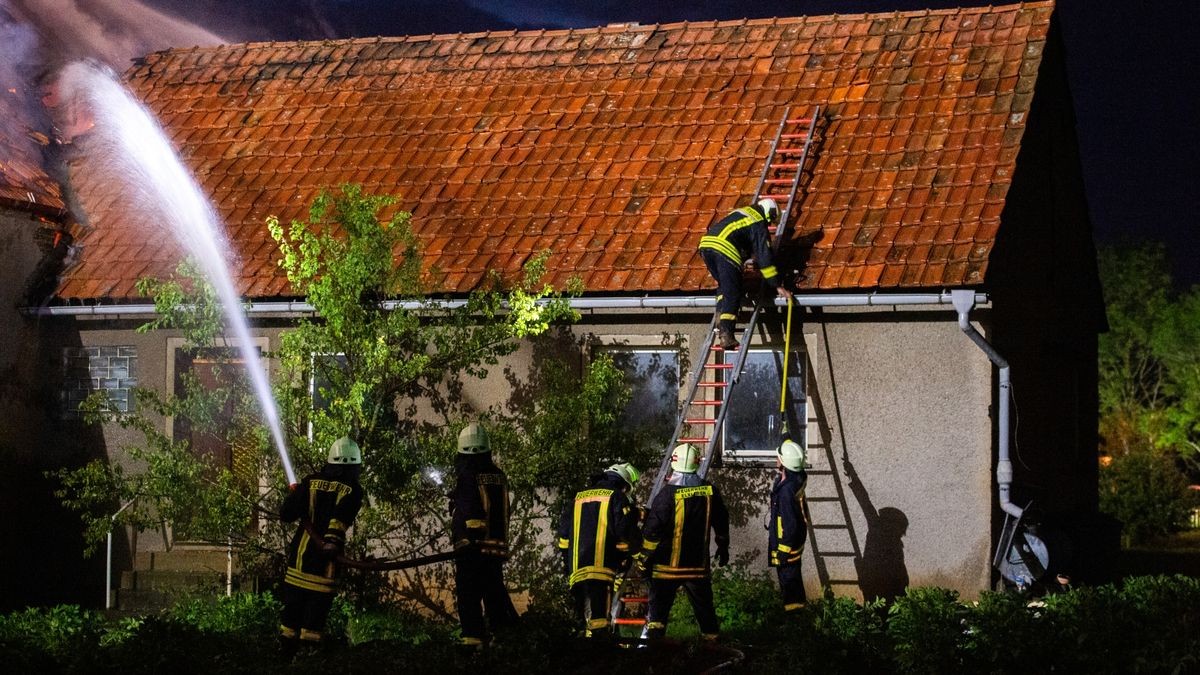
(787, 526)
(741, 235)
(597, 529)
(675, 538)
(479, 506)
(329, 505)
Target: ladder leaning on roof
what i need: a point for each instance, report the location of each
(712, 379)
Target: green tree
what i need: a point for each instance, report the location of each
(1149, 363)
(385, 362)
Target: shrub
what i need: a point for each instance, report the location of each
(61, 635)
(1147, 493)
(251, 614)
(926, 625)
(1005, 635)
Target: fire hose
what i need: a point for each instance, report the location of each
(386, 564)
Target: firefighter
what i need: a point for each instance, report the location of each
(675, 544)
(326, 504)
(787, 527)
(595, 534)
(479, 526)
(729, 243)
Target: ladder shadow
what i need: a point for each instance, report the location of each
(879, 569)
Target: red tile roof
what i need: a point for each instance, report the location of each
(24, 182)
(615, 146)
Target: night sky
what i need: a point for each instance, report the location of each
(1132, 67)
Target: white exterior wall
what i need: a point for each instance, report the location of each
(902, 394)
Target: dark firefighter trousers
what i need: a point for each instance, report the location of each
(593, 602)
(304, 613)
(662, 596)
(729, 286)
(791, 585)
(479, 590)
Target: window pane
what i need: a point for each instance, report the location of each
(653, 377)
(325, 368)
(752, 425)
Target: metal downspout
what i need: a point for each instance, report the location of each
(964, 301)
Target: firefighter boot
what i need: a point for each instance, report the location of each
(726, 337)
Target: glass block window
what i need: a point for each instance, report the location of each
(112, 370)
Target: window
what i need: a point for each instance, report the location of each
(653, 375)
(112, 370)
(326, 368)
(752, 428)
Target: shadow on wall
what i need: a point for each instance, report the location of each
(881, 569)
(879, 561)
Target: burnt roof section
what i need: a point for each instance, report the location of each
(613, 146)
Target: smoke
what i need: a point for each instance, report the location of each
(111, 31)
(24, 126)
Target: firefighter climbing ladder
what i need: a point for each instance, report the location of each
(713, 379)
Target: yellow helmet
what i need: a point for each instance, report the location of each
(627, 471)
(685, 458)
(791, 455)
(344, 451)
(473, 440)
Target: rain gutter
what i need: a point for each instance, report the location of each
(300, 308)
(964, 301)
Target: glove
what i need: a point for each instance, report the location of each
(722, 555)
(329, 550)
(638, 568)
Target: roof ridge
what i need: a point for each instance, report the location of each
(597, 30)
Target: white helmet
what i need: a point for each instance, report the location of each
(685, 458)
(626, 471)
(791, 455)
(344, 451)
(473, 440)
(769, 208)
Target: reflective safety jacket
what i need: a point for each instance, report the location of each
(479, 505)
(788, 528)
(326, 503)
(597, 530)
(675, 538)
(741, 235)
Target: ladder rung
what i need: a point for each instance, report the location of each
(636, 600)
(789, 151)
(719, 366)
(801, 120)
(779, 181)
(784, 197)
(719, 348)
(699, 420)
(706, 403)
(630, 622)
(713, 384)
(791, 136)
(694, 439)
(786, 165)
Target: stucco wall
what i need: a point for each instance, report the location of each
(900, 398)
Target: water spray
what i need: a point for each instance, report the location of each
(128, 142)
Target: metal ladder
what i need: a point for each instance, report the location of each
(712, 379)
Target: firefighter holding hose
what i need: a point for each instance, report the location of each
(326, 504)
(479, 527)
